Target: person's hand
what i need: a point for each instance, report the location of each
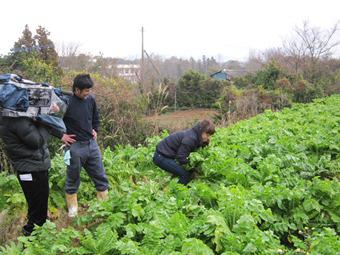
(68, 139)
(194, 173)
(206, 143)
(94, 134)
(54, 108)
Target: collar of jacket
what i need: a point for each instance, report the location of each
(76, 97)
(198, 132)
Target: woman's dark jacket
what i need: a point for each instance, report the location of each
(25, 142)
(180, 144)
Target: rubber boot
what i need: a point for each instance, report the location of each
(102, 195)
(72, 205)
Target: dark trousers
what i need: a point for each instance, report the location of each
(36, 190)
(171, 166)
(85, 154)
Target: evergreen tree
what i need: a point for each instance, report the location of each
(26, 42)
(46, 47)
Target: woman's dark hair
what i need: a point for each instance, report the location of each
(82, 81)
(207, 126)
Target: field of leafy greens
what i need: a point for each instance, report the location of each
(267, 185)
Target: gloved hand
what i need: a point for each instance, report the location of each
(194, 173)
(67, 157)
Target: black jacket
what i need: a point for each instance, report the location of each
(82, 117)
(180, 144)
(26, 144)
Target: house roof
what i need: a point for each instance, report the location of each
(218, 73)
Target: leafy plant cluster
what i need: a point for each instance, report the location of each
(268, 185)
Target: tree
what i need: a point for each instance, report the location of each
(311, 45)
(268, 76)
(46, 47)
(317, 43)
(26, 42)
(68, 55)
(198, 90)
(188, 91)
(37, 48)
(68, 50)
(22, 48)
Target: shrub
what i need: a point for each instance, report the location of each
(198, 90)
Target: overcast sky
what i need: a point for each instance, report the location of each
(222, 29)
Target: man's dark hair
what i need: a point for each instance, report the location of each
(82, 81)
(207, 126)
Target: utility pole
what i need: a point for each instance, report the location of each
(175, 97)
(142, 64)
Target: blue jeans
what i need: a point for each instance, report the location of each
(171, 166)
(85, 154)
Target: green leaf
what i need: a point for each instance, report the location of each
(193, 246)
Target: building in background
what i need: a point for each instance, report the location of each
(129, 72)
(221, 75)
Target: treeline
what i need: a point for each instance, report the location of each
(303, 69)
(272, 87)
(156, 67)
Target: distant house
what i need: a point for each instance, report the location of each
(129, 72)
(221, 75)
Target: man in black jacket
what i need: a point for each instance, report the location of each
(173, 151)
(26, 144)
(82, 124)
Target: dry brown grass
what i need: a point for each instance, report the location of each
(179, 120)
